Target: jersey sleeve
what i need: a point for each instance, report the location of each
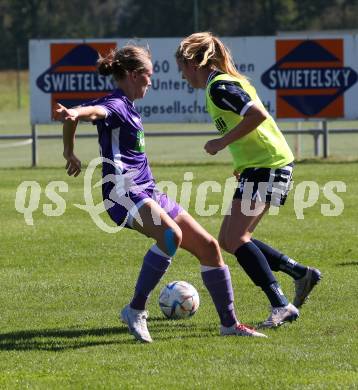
(230, 96)
(115, 111)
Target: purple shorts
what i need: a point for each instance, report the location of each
(126, 207)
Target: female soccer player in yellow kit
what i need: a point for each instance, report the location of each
(263, 163)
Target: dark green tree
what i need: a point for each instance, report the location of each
(21, 20)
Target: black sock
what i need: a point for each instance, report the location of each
(280, 262)
(256, 267)
(275, 295)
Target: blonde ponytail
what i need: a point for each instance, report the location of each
(207, 50)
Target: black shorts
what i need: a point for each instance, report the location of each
(265, 185)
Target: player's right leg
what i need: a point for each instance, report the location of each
(155, 223)
(305, 278)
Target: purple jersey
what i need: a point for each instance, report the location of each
(127, 178)
(121, 140)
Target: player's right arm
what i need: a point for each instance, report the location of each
(82, 113)
(69, 117)
(232, 97)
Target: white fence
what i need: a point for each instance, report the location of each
(320, 138)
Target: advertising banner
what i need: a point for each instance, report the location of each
(298, 77)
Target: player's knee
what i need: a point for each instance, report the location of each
(172, 239)
(209, 253)
(233, 243)
(222, 242)
(214, 253)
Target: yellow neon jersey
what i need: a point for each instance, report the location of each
(264, 147)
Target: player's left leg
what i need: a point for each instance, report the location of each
(238, 242)
(149, 219)
(215, 273)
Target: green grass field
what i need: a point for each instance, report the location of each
(63, 281)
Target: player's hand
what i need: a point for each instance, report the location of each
(213, 146)
(61, 113)
(237, 175)
(73, 165)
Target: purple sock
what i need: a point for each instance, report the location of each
(218, 283)
(154, 267)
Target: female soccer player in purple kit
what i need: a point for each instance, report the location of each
(130, 195)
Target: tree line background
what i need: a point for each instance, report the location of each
(22, 20)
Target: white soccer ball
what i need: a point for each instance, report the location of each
(179, 300)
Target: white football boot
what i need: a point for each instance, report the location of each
(280, 315)
(239, 330)
(305, 285)
(137, 323)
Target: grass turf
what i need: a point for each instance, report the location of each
(63, 281)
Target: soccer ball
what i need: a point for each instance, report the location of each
(179, 300)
